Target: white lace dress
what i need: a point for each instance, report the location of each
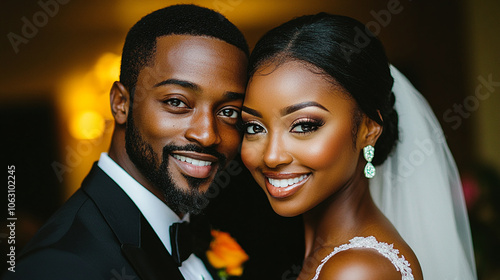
(370, 242)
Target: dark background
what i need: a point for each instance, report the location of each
(444, 47)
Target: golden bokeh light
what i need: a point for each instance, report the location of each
(107, 70)
(85, 98)
(87, 125)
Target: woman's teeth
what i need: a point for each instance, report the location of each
(281, 183)
(192, 160)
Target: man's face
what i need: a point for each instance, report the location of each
(181, 129)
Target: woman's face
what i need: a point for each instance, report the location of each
(298, 141)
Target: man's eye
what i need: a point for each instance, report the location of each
(229, 113)
(175, 103)
(252, 128)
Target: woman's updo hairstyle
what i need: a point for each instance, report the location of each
(345, 52)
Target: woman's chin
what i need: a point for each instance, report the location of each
(285, 209)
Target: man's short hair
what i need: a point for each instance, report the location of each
(140, 43)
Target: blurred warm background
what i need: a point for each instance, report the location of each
(59, 58)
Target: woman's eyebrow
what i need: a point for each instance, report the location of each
(293, 108)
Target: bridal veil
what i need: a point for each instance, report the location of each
(418, 188)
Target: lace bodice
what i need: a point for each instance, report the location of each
(370, 242)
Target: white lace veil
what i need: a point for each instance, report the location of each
(418, 188)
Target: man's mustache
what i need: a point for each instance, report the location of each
(168, 149)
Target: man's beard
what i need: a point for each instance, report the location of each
(148, 163)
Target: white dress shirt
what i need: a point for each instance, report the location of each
(156, 212)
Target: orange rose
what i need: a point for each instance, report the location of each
(226, 253)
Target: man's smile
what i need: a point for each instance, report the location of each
(193, 164)
(192, 160)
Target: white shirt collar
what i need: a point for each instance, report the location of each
(156, 212)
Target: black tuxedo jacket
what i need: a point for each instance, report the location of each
(99, 233)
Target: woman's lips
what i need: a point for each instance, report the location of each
(284, 185)
(193, 165)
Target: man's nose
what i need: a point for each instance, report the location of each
(203, 129)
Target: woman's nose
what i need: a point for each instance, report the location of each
(275, 153)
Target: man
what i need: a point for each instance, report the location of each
(176, 108)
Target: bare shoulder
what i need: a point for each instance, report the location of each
(366, 264)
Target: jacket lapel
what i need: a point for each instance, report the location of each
(140, 244)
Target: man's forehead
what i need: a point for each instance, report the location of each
(195, 63)
(189, 55)
(191, 44)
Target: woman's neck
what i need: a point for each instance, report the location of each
(340, 217)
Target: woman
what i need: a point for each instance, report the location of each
(318, 116)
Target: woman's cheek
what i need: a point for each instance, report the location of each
(249, 154)
(324, 149)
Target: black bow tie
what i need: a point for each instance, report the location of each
(182, 240)
(188, 238)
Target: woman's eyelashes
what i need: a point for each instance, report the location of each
(301, 126)
(252, 128)
(304, 126)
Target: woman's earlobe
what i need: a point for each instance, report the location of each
(120, 102)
